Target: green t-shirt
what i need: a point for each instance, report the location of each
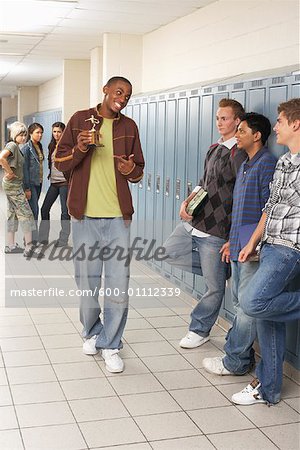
(102, 197)
(16, 162)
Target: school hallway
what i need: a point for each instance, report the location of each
(52, 396)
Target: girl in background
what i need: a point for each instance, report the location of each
(58, 187)
(33, 170)
(18, 209)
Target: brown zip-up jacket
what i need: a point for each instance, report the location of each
(69, 159)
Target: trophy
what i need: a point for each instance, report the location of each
(95, 134)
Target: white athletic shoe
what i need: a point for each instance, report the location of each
(89, 346)
(250, 395)
(113, 362)
(215, 366)
(193, 340)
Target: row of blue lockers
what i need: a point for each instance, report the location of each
(176, 130)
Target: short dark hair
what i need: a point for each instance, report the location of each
(117, 78)
(258, 122)
(236, 107)
(291, 109)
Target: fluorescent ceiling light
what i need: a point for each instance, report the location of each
(24, 34)
(57, 1)
(11, 54)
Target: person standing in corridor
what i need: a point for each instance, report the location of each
(101, 149)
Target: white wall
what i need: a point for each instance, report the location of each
(226, 38)
(122, 55)
(76, 87)
(96, 73)
(27, 101)
(50, 94)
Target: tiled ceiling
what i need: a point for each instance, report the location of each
(37, 35)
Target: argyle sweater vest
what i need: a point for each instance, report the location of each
(220, 170)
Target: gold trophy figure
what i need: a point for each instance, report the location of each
(95, 134)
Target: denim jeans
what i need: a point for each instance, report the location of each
(53, 192)
(271, 298)
(97, 243)
(34, 205)
(239, 356)
(180, 249)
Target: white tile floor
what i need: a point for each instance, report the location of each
(54, 397)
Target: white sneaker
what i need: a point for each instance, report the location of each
(192, 340)
(113, 362)
(216, 366)
(89, 346)
(250, 395)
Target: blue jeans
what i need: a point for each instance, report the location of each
(271, 298)
(239, 358)
(53, 192)
(99, 243)
(34, 205)
(180, 249)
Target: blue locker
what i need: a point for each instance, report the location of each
(150, 171)
(256, 100)
(141, 212)
(180, 162)
(169, 212)
(239, 96)
(193, 158)
(159, 178)
(135, 187)
(207, 120)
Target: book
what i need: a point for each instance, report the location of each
(197, 203)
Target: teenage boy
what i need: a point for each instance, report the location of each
(250, 195)
(271, 297)
(101, 149)
(209, 229)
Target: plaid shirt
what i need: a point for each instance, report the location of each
(283, 206)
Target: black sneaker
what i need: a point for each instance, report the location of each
(16, 249)
(31, 253)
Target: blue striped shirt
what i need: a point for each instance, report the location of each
(251, 192)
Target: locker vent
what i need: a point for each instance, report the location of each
(145, 99)
(277, 80)
(152, 99)
(256, 83)
(182, 94)
(297, 77)
(222, 88)
(161, 97)
(171, 95)
(194, 92)
(207, 90)
(137, 100)
(238, 85)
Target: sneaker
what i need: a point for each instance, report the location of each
(13, 250)
(31, 253)
(89, 346)
(250, 395)
(193, 340)
(216, 366)
(113, 362)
